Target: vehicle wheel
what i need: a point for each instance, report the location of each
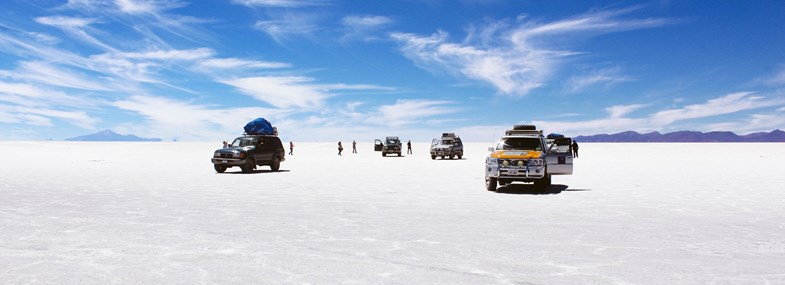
(249, 165)
(399, 154)
(433, 157)
(384, 154)
(543, 184)
(460, 156)
(490, 183)
(219, 168)
(452, 156)
(442, 156)
(276, 164)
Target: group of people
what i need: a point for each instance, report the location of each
(574, 147)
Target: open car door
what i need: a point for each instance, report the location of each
(377, 145)
(559, 157)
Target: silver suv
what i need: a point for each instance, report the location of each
(449, 145)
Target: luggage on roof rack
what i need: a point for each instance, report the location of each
(524, 128)
(260, 126)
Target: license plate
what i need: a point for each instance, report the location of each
(513, 171)
(224, 161)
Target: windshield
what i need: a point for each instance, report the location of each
(447, 142)
(520, 144)
(241, 142)
(392, 142)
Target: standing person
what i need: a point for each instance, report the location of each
(226, 144)
(574, 148)
(340, 148)
(291, 148)
(409, 147)
(354, 146)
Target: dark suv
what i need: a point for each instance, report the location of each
(391, 145)
(249, 151)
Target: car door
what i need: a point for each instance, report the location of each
(266, 148)
(377, 145)
(559, 157)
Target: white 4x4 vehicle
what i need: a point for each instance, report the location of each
(524, 155)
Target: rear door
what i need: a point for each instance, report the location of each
(267, 148)
(559, 157)
(378, 145)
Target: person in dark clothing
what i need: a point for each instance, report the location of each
(574, 148)
(340, 148)
(409, 147)
(354, 147)
(291, 148)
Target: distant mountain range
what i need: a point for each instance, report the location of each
(685, 136)
(110, 136)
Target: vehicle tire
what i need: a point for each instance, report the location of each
(249, 165)
(384, 154)
(460, 156)
(490, 183)
(276, 164)
(442, 156)
(399, 154)
(433, 157)
(452, 157)
(543, 184)
(219, 168)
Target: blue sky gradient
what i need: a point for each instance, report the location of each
(325, 70)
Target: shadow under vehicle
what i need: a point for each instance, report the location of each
(391, 145)
(249, 151)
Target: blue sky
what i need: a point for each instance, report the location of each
(326, 70)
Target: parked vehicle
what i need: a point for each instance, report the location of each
(524, 154)
(249, 151)
(449, 145)
(391, 145)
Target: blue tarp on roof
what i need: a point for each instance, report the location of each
(259, 126)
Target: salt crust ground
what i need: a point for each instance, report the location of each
(157, 213)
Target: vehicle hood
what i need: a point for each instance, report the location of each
(232, 149)
(517, 154)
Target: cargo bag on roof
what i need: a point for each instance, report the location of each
(259, 126)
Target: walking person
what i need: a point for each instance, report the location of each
(574, 148)
(409, 147)
(340, 148)
(291, 148)
(354, 146)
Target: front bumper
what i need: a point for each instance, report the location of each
(515, 173)
(227, 161)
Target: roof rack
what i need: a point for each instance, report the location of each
(523, 132)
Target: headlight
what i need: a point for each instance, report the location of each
(536, 162)
(520, 163)
(492, 161)
(506, 163)
(216, 154)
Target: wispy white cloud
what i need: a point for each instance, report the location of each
(619, 111)
(291, 91)
(405, 112)
(164, 117)
(52, 75)
(364, 27)
(514, 58)
(281, 3)
(238, 63)
(605, 77)
(286, 25)
(65, 22)
(727, 104)
(617, 119)
(43, 116)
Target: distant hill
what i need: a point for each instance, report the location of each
(685, 136)
(110, 136)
